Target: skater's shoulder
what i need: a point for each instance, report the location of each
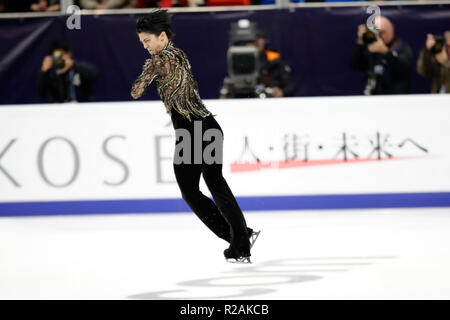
(169, 53)
(173, 49)
(170, 48)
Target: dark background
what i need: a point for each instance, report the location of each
(315, 42)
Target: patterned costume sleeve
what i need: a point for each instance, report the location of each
(156, 66)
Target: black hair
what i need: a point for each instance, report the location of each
(58, 44)
(156, 22)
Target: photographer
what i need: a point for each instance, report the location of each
(384, 58)
(63, 79)
(434, 63)
(46, 5)
(108, 4)
(274, 72)
(15, 6)
(273, 77)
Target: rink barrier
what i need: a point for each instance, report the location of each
(265, 203)
(321, 153)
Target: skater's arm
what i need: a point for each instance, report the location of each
(156, 66)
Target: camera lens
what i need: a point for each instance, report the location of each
(58, 61)
(439, 44)
(369, 37)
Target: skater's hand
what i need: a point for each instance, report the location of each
(137, 90)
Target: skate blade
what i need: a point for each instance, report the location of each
(253, 238)
(241, 260)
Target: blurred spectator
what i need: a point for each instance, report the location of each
(385, 59)
(46, 5)
(212, 3)
(107, 4)
(15, 5)
(62, 79)
(434, 63)
(165, 3)
(191, 3)
(274, 74)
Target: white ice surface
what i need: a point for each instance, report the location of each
(338, 254)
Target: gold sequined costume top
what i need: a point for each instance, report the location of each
(171, 70)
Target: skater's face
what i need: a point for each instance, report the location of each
(153, 43)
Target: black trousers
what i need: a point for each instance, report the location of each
(223, 216)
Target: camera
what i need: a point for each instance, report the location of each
(369, 36)
(58, 61)
(243, 61)
(439, 44)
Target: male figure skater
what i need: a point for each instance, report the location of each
(170, 68)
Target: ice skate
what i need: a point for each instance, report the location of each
(239, 253)
(253, 237)
(235, 257)
(242, 260)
